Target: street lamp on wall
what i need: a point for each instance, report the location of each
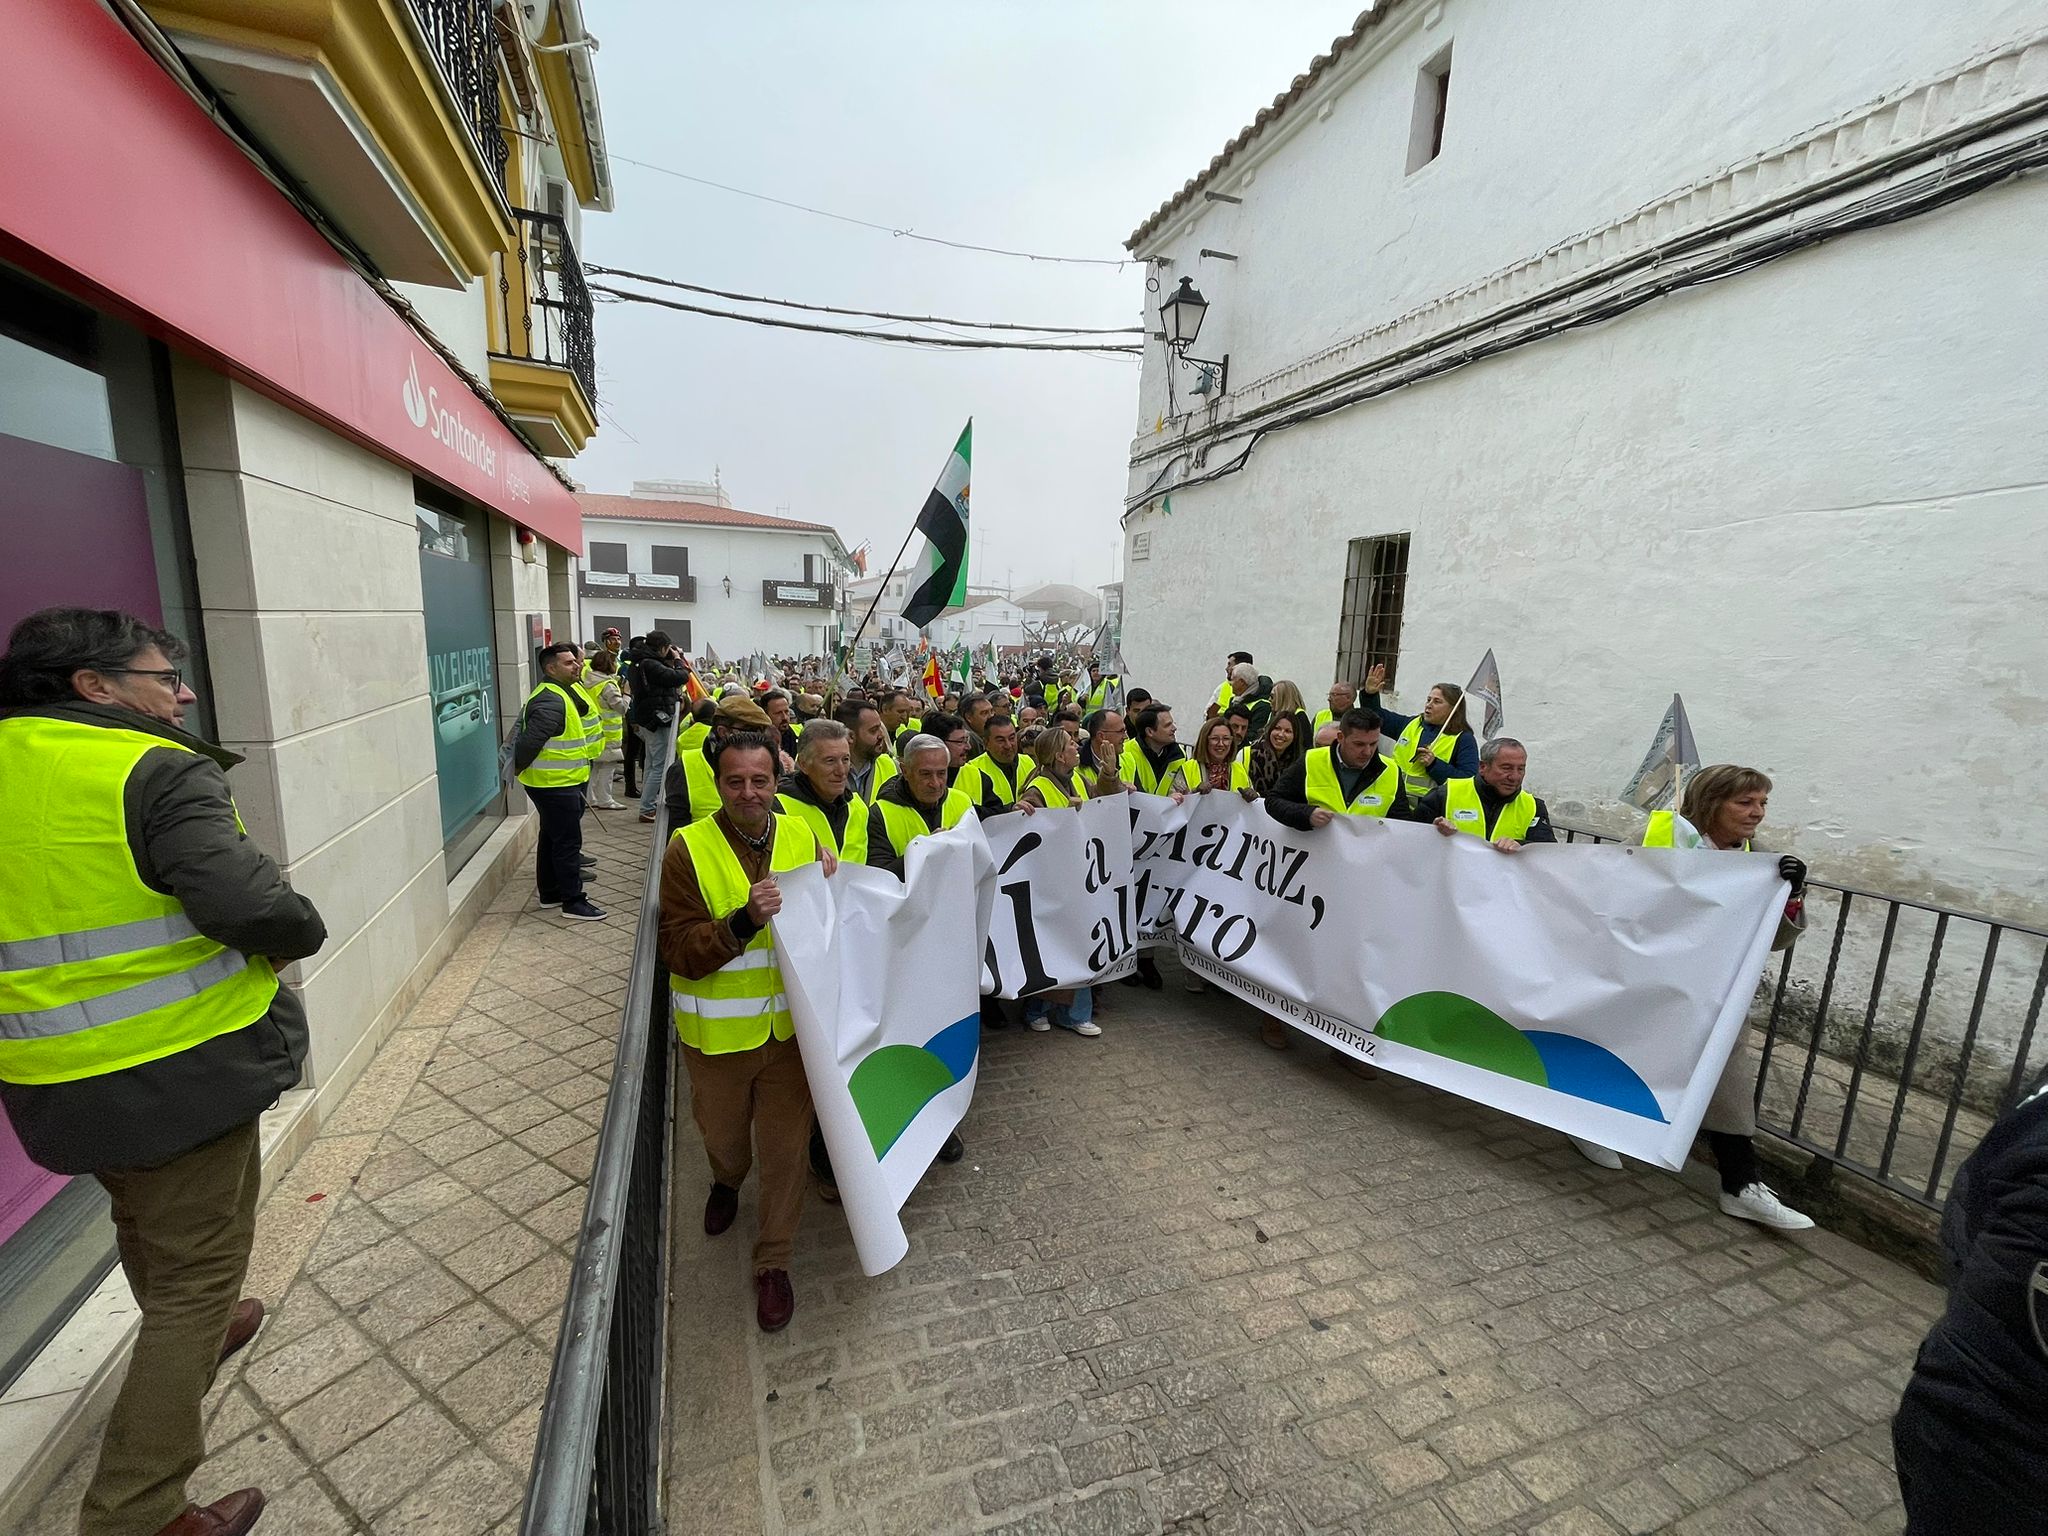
(728, 586)
(1181, 318)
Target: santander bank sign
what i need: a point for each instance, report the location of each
(423, 408)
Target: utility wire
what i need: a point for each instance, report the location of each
(989, 344)
(876, 314)
(887, 229)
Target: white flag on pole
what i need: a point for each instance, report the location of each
(1671, 755)
(1485, 687)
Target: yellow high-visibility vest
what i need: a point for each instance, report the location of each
(1224, 695)
(97, 971)
(854, 846)
(1137, 772)
(565, 759)
(611, 725)
(703, 786)
(1417, 779)
(1375, 796)
(885, 770)
(984, 769)
(1056, 795)
(1662, 828)
(691, 737)
(742, 1003)
(903, 826)
(1464, 811)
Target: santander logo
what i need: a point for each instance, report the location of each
(424, 409)
(415, 397)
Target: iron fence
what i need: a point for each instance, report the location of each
(598, 1456)
(1893, 1080)
(544, 303)
(463, 42)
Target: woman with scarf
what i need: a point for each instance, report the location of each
(1268, 759)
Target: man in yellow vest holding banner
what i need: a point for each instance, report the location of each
(560, 734)
(1492, 804)
(142, 1028)
(747, 1086)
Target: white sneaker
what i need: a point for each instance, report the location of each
(1090, 1029)
(1594, 1153)
(1040, 1025)
(1759, 1203)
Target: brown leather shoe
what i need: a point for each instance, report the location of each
(774, 1300)
(720, 1208)
(1274, 1033)
(248, 1317)
(231, 1516)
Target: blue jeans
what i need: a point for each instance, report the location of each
(653, 766)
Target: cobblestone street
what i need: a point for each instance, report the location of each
(1182, 1282)
(416, 1256)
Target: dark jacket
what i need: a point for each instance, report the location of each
(542, 720)
(656, 686)
(1491, 802)
(1464, 763)
(185, 842)
(1260, 703)
(1288, 803)
(1969, 1426)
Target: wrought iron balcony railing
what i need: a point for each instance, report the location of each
(463, 42)
(544, 303)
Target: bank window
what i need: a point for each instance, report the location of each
(607, 557)
(1375, 585)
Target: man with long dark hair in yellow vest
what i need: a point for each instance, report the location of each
(142, 1028)
(747, 1084)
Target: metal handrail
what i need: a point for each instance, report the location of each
(597, 1455)
(544, 304)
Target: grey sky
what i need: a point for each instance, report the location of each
(1047, 126)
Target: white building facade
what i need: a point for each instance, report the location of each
(709, 575)
(1799, 475)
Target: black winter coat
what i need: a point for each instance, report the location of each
(1969, 1429)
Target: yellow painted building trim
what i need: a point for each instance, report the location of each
(558, 84)
(536, 389)
(370, 52)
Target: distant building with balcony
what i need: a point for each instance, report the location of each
(708, 573)
(292, 321)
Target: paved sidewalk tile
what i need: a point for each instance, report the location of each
(416, 1257)
(1183, 1282)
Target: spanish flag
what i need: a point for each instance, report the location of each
(933, 684)
(694, 688)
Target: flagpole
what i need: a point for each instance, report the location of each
(883, 587)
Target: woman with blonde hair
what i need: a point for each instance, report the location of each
(1724, 805)
(1054, 784)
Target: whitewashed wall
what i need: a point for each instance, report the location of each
(1812, 499)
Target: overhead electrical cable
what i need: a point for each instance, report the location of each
(989, 344)
(876, 314)
(887, 229)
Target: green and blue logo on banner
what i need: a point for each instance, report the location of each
(893, 1083)
(1454, 1026)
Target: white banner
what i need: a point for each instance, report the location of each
(883, 981)
(1063, 899)
(1595, 989)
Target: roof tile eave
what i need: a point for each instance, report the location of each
(1367, 20)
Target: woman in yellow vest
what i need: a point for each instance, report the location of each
(1054, 783)
(1432, 746)
(731, 1012)
(1724, 805)
(600, 685)
(1217, 764)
